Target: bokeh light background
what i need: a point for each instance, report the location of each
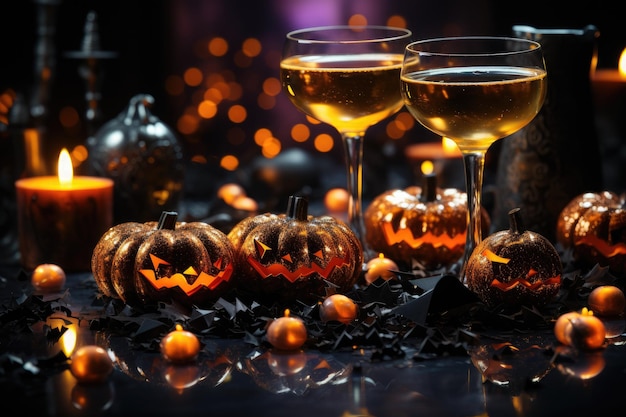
(213, 68)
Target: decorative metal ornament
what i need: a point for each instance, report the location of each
(144, 158)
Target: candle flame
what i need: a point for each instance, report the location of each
(622, 63)
(68, 340)
(427, 167)
(65, 170)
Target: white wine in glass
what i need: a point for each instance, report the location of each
(474, 90)
(347, 77)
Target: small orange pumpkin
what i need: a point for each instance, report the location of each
(514, 266)
(593, 227)
(170, 261)
(289, 257)
(425, 224)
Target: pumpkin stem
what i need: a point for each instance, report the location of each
(516, 225)
(429, 191)
(297, 208)
(167, 220)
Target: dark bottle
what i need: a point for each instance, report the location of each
(556, 156)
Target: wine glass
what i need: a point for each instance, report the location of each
(347, 77)
(473, 90)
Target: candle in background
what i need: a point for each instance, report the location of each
(609, 99)
(380, 267)
(444, 159)
(610, 76)
(60, 219)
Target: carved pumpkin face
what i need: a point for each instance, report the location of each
(593, 226)
(290, 257)
(424, 224)
(189, 263)
(514, 266)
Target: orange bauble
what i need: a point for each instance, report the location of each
(582, 330)
(91, 364)
(562, 323)
(585, 332)
(337, 200)
(48, 278)
(338, 307)
(230, 192)
(607, 301)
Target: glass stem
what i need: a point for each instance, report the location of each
(474, 164)
(353, 147)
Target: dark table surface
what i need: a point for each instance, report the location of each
(234, 376)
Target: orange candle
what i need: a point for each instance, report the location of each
(287, 333)
(60, 219)
(180, 346)
(380, 267)
(609, 85)
(444, 159)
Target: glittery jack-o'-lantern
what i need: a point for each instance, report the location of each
(291, 256)
(514, 266)
(187, 263)
(423, 224)
(593, 226)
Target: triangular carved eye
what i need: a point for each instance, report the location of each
(288, 258)
(156, 261)
(319, 254)
(261, 248)
(190, 271)
(495, 258)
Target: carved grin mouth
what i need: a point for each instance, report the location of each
(532, 286)
(406, 235)
(276, 269)
(201, 280)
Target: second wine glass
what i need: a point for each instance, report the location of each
(347, 77)
(474, 90)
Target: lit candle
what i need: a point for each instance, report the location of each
(180, 346)
(446, 149)
(287, 333)
(380, 267)
(60, 219)
(609, 85)
(613, 76)
(441, 158)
